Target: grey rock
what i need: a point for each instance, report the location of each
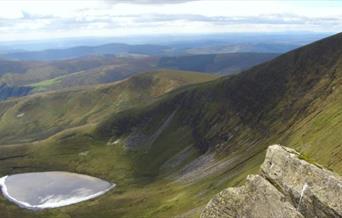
(257, 198)
(287, 186)
(321, 188)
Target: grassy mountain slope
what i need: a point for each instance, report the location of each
(255, 107)
(46, 114)
(171, 156)
(292, 100)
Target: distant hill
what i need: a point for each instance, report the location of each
(76, 52)
(246, 47)
(125, 50)
(17, 67)
(110, 70)
(216, 63)
(91, 70)
(19, 73)
(163, 45)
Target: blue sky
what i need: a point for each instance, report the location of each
(36, 19)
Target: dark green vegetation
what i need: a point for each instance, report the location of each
(171, 155)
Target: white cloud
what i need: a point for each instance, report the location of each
(44, 19)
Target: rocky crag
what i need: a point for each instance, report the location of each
(287, 186)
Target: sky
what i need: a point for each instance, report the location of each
(35, 19)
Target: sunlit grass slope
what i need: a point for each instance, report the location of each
(41, 115)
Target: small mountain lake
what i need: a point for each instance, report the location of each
(51, 189)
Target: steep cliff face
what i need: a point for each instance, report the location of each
(287, 186)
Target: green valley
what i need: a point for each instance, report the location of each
(172, 140)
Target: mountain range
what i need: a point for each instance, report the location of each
(172, 140)
(41, 76)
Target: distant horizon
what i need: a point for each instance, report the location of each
(168, 34)
(291, 38)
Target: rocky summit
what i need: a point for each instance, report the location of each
(288, 185)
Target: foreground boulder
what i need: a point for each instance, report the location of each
(287, 186)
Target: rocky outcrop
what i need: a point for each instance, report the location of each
(287, 186)
(257, 198)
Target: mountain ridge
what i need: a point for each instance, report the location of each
(239, 90)
(171, 156)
